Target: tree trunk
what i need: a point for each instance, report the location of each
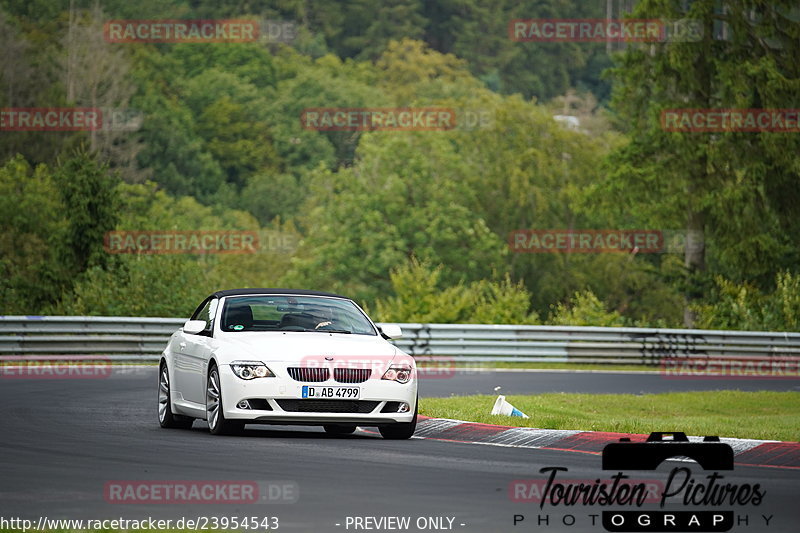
(695, 253)
(695, 261)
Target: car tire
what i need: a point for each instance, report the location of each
(402, 430)
(166, 418)
(339, 429)
(217, 423)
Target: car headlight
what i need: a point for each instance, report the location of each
(398, 373)
(251, 370)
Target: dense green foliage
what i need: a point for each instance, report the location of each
(413, 224)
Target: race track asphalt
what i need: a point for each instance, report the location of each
(63, 441)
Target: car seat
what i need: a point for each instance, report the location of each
(238, 315)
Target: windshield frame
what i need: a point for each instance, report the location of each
(344, 303)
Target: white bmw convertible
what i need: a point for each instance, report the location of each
(280, 356)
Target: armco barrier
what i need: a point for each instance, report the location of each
(143, 339)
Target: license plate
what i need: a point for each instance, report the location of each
(338, 393)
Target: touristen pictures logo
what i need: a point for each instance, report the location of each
(705, 497)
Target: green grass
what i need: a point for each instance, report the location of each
(754, 415)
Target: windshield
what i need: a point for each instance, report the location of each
(294, 313)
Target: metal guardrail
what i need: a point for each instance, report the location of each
(143, 339)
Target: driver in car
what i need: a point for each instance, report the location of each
(325, 318)
(310, 319)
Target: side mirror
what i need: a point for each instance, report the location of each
(392, 331)
(194, 326)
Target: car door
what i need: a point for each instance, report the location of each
(193, 353)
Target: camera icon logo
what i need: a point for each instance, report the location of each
(711, 454)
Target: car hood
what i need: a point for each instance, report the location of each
(294, 346)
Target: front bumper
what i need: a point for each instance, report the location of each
(377, 405)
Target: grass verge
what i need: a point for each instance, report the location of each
(754, 415)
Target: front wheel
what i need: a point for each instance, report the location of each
(217, 423)
(402, 430)
(165, 416)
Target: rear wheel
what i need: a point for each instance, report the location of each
(338, 429)
(165, 416)
(402, 430)
(217, 423)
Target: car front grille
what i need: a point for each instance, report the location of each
(351, 375)
(311, 375)
(327, 406)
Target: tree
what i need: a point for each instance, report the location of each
(478, 33)
(173, 151)
(419, 297)
(172, 284)
(584, 309)
(95, 74)
(372, 25)
(402, 197)
(89, 196)
(746, 308)
(727, 189)
(412, 72)
(33, 220)
(269, 194)
(327, 82)
(161, 286)
(29, 78)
